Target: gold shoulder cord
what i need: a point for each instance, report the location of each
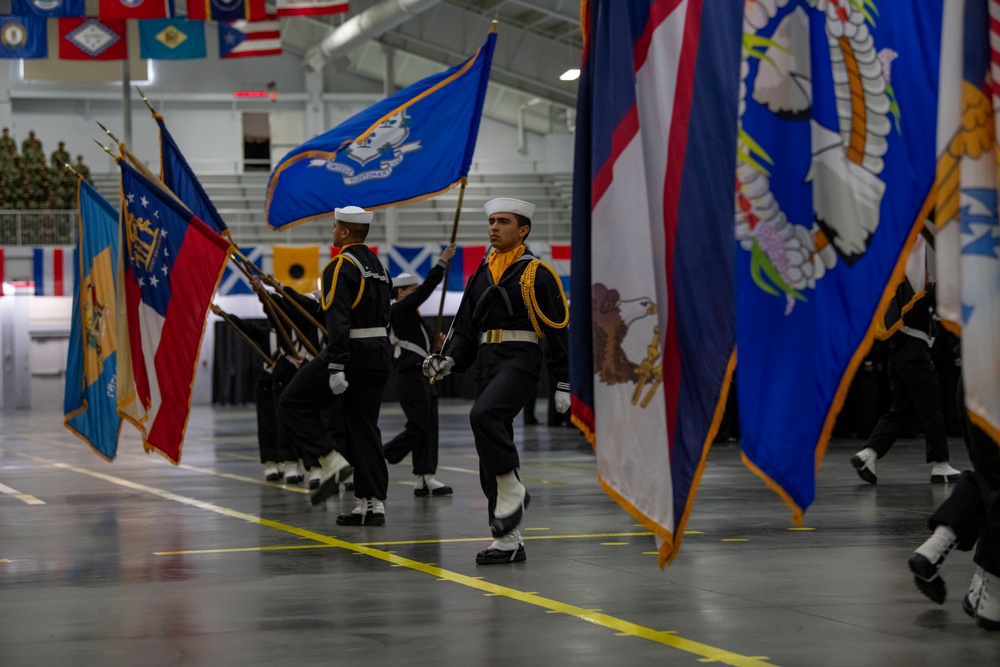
(531, 302)
(328, 298)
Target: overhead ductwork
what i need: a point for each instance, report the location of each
(366, 26)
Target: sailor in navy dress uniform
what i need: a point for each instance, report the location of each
(411, 339)
(355, 365)
(512, 300)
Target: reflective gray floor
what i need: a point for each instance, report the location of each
(140, 562)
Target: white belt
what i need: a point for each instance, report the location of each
(369, 332)
(507, 336)
(412, 347)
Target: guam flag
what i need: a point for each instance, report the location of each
(90, 401)
(656, 138)
(411, 145)
(173, 263)
(835, 168)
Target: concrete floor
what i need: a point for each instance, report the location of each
(139, 562)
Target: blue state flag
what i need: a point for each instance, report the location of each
(48, 8)
(830, 200)
(177, 175)
(414, 144)
(23, 37)
(90, 401)
(172, 39)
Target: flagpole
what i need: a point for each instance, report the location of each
(127, 100)
(447, 266)
(270, 280)
(256, 348)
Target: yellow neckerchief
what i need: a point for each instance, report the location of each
(500, 261)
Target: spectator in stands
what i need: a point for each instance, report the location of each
(32, 146)
(59, 156)
(82, 169)
(7, 144)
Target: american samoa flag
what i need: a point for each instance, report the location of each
(173, 264)
(654, 164)
(53, 271)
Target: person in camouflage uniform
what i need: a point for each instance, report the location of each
(7, 144)
(31, 144)
(82, 169)
(60, 156)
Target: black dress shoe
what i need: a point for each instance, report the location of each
(927, 578)
(367, 513)
(500, 527)
(499, 556)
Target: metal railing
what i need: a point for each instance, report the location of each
(248, 228)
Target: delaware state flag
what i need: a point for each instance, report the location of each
(172, 39)
(411, 145)
(653, 329)
(90, 400)
(173, 263)
(834, 181)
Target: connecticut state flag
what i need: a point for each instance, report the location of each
(23, 37)
(172, 39)
(92, 39)
(411, 145)
(652, 296)
(173, 264)
(836, 162)
(90, 400)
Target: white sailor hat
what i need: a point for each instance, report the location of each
(405, 280)
(508, 205)
(354, 214)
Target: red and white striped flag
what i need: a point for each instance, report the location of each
(243, 39)
(54, 271)
(310, 7)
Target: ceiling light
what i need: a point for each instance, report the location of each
(570, 75)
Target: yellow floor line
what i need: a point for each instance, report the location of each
(23, 497)
(451, 540)
(620, 627)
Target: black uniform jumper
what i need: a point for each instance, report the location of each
(411, 339)
(508, 371)
(355, 298)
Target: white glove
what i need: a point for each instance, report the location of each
(338, 383)
(437, 366)
(562, 401)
